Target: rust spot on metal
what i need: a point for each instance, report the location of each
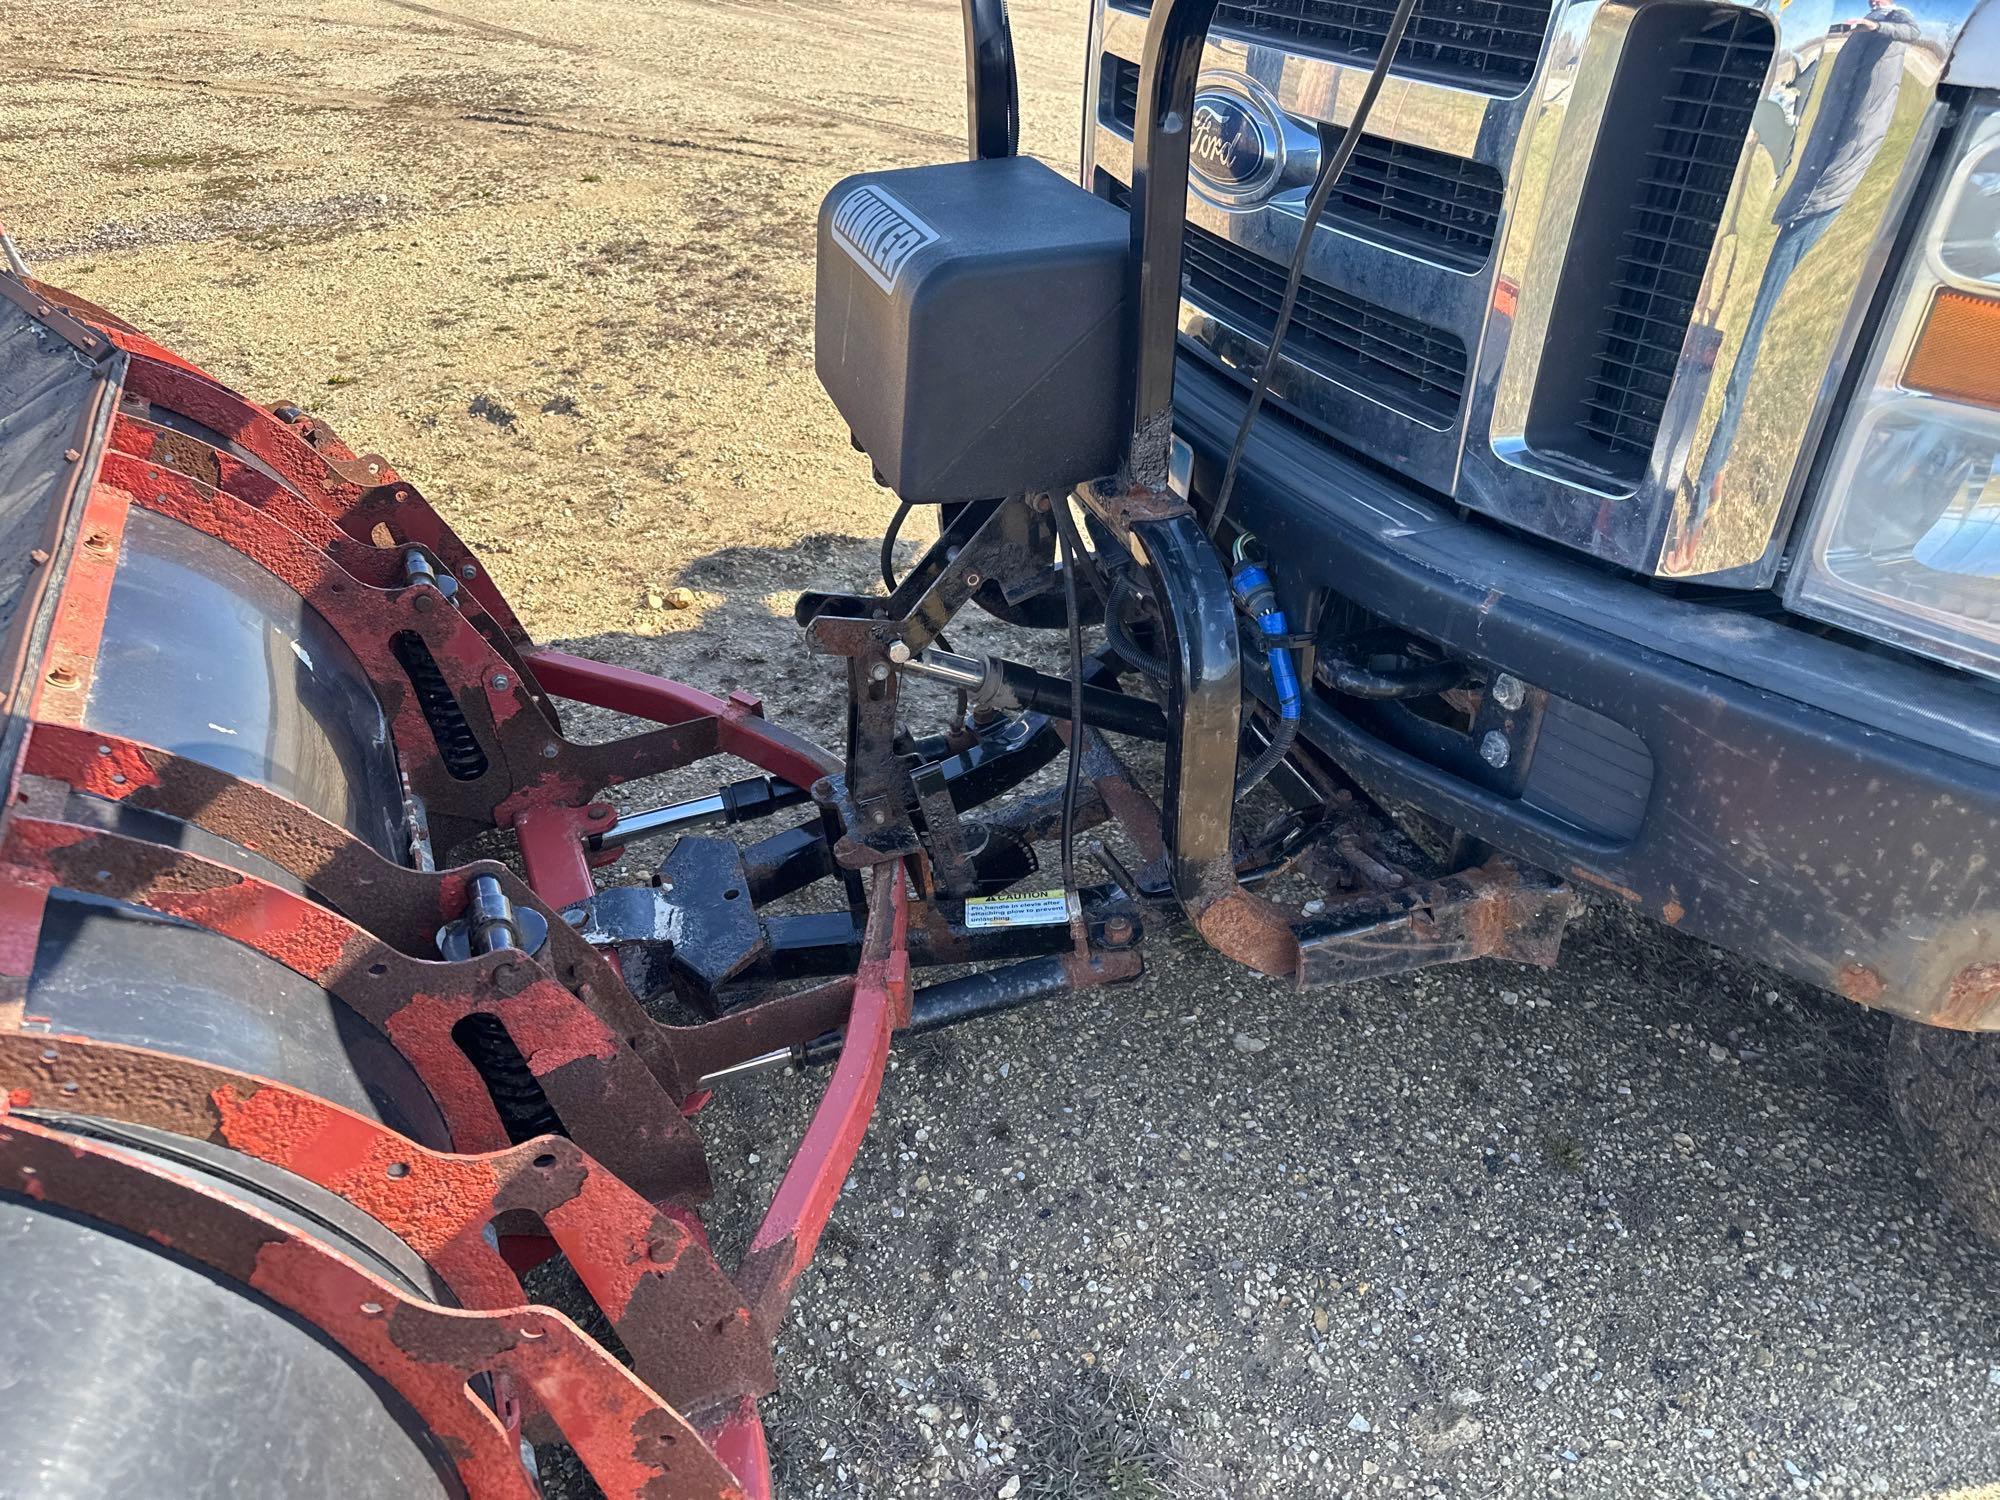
(1859, 983)
(1246, 927)
(1604, 883)
(1973, 991)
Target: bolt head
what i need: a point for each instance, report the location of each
(973, 580)
(500, 682)
(1494, 749)
(1509, 691)
(879, 672)
(550, 751)
(899, 652)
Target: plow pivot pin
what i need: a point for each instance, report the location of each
(492, 917)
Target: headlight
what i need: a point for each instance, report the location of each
(1905, 543)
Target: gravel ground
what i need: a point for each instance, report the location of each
(1640, 1226)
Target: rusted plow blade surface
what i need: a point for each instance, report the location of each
(256, 1021)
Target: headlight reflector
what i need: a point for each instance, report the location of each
(1904, 545)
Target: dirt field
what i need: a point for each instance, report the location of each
(1640, 1227)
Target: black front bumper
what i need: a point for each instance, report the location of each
(1828, 809)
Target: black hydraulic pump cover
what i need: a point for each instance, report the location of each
(970, 326)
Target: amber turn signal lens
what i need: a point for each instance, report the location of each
(1958, 353)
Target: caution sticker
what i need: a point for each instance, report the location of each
(1035, 909)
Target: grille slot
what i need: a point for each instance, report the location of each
(1429, 202)
(1408, 366)
(1483, 44)
(1645, 229)
(1439, 205)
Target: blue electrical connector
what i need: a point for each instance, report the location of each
(1256, 597)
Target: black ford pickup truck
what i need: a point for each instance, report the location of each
(1648, 354)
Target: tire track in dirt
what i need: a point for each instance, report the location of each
(487, 28)
(369, 101)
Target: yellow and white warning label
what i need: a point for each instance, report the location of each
(1032, 909)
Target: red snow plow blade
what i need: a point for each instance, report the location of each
(260, 1035)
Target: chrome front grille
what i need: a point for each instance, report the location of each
(1407, 365)
(1559, 284)
(1481, 44)
(1435, 204)
(1674, 211)
(1430, 202)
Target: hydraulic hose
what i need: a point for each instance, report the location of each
(1258, 599)
(1417, 680)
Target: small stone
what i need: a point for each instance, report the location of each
(655, 599)
(1010, 1489)
(1359, 1423)
(1320, 1320)
(1717, 1052)
(1244, 1042)
(680, 598)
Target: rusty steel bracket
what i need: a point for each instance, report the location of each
(984, 542)
(1122, 506)
(632, 1443)
(675, 1310)
(1502, 909)
(69, 657)
(593, 1076)
(404, 907)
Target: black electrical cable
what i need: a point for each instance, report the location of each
(1071, 547)
(1119, 636)
(889, 544)
(888, 561)
(1329, 175)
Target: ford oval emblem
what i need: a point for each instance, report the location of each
(1230, 147)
